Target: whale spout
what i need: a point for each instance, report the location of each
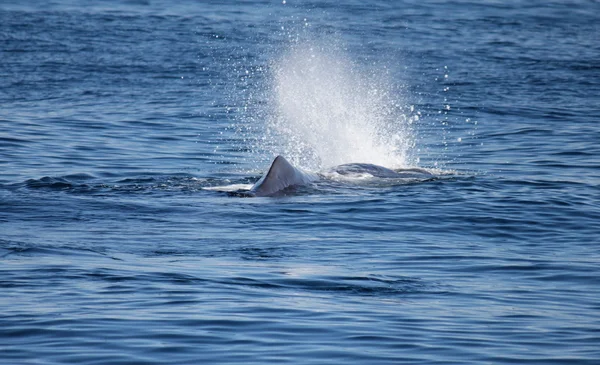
(281, 175)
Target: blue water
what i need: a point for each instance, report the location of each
(118, 118)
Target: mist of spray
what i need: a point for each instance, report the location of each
(325, 110)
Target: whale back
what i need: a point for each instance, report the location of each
(281, 175)
(381, 172)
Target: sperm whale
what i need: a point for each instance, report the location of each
(283, 175)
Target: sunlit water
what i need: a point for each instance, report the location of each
(121, 121)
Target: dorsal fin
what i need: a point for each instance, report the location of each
(280, 176)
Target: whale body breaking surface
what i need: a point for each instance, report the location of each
(282, 175)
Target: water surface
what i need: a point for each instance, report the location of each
(116, 116)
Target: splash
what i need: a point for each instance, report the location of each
(327, 110)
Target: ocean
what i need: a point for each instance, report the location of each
(128, 129)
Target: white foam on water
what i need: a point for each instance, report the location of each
(229, 188)
(326, 110)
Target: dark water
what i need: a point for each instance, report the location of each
(115, 116)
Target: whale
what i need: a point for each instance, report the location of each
(282, 175)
